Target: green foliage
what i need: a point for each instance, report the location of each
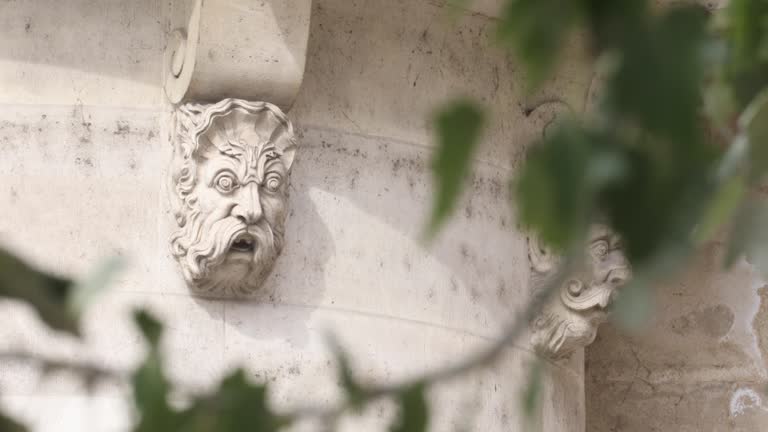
(414, 411)
(237, 405)
(561, 180)
(458, 130)
(633, 307)
(746, 63)
(58, 302)
(643, 163)
(9, 425)
(86, 289)
(532, 391)
(47, 294)
(354, 391)
(536, 29)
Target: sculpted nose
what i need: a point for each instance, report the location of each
(247, 206)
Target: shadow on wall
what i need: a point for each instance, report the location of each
(114, 38)
(298, 274)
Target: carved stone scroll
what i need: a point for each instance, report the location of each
(229, 182)
(252, 50)
(570, 320)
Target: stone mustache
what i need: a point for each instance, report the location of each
(570, 320)
(229, 183)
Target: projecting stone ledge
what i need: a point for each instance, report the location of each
(237, 48)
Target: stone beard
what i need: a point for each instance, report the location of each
(579, 306)
(229, 176)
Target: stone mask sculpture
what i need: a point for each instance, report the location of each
(571, 319)
(229, 177)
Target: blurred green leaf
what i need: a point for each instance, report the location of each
(531, 396)
(559, 183)
(46, 293)
(663, 63)
(151, 328)
(723, 206)
(9, 425)
(86, 289)
(537, 30)
(414, 411)
(458, 130)
(754, 124)
(236, 406)
(747, 63)
(632, 308)
(59, 302)
(719, 103)
(150, 385)
(749, 235)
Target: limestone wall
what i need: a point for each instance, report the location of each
(83, 159)
(699, 366)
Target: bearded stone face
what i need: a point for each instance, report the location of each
(231, 172)
(580, 306)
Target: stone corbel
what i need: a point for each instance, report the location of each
(578, 307)
(570, 320)
(233, 67)
(245, 49)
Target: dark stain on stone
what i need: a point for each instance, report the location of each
(760, 322)
(123, 128)
(501, 290)
(716, 321)
(713, 321)
(84, 162)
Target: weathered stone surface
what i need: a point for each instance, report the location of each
(699, 366)
(84, 142)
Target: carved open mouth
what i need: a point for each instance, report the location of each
(243, 243)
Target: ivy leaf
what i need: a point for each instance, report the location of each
(9, 425)
(236, 406)
(559, 184)
(59, 302)
(747, 65)
(354, 391)
(754, 124)
(749, 236)
(722, 207)
(531, 395)
(86, 289)
(414, 411)
(46, 293)
(536, 29)
(150, 385)
(632, 307)
(663, 62)
(458, 129)
(151, 328)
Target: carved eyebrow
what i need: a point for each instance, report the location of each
(271, 164)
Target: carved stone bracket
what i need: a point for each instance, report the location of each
(229, 176)
(570, 320)
(232, 157)
(252, 50)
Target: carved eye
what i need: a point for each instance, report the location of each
(600, 249)
(273, 183)
(225, 183)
